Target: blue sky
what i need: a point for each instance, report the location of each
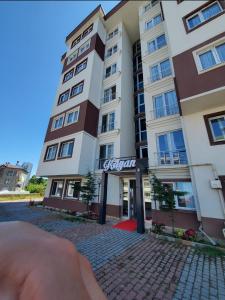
(32, 41)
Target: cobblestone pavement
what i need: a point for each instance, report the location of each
(132, 266)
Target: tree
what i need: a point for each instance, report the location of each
(88, 189)
(37, 185)
(165, 195)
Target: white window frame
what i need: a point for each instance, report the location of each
(111, 66)
(201, 17)
(152, 20)
(112, 50)
(67, 186)
(84, 47)
(69, 72)
(60, 149)
(77, 109)
(113, 33)
(164, 103)
(211, 128)
(111, 94)
(139, 132)
(138, 102)
(157, 48)
(62, 95)
(108, 119)
(55, 120)
(72, 56)
(83, 64)
(58, 181)
(80, 87)
(160, 71)
(107, 150)
(47, 150)
(212, 46)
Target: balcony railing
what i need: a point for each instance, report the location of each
(158, 76)
(108, 98)
(172, 157)
(164, 111)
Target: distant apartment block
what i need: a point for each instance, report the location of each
(14, 177)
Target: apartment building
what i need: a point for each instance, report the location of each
(142, 92)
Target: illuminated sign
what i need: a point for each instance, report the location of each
(119, 164)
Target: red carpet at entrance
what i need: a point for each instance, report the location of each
(129, 225)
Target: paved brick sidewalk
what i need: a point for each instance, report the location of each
(132, 266)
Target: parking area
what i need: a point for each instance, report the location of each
(129, 265)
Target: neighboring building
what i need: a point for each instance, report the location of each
(14, 177)
(143, 84)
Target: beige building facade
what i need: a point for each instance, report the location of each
(142, 85)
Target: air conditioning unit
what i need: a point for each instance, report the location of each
(216, 184)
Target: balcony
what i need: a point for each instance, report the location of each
(168, 158)
(164, 111)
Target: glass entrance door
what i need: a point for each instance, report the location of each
(132, 192)
(129, 198)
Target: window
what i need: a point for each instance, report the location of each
(111, 51)
(72, 189)
(57, 122)
(144, 152)
(109, 94)
(138, 63)
(57, 188)
(63, 97)
(161, 70)
(186, 201)
(212, 57)
(171, 148)
(79, 51)
(81, 67)
(157, 43)
(138, 82)
(72, 57)
(66, 149)
(139, 104)
(203, 15)
(110, 71)
(76, 41)
(81, 36)
(72, 116)
(68, 75)
(77, 89)
(108, 122)
(217, 126)
(153, 22)
(112, 34)
(84, 47)
(165, 104)
(141, 133)
(105, 152)
(51, 152)
(87, 31)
